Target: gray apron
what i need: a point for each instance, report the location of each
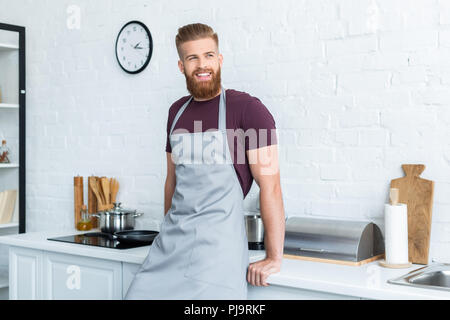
(201, 251)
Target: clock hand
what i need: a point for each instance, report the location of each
(136, 46)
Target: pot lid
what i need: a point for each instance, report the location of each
(119, 210)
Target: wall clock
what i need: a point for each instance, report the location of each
(134, 47)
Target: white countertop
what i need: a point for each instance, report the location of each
(38, 240)
(366, 281)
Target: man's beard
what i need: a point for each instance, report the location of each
(204, 89)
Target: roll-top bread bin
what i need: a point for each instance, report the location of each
(334, 241)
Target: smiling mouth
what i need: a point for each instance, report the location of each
(203, 76)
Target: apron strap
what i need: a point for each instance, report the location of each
(222, 110)
(178, 115)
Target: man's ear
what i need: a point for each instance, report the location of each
(220, 56)
(181, 66)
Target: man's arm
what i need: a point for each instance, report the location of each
(169, 186)
(265, 170)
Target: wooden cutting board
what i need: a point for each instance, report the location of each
(417, 194)
(341, 262)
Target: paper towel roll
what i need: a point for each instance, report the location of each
(396, 233)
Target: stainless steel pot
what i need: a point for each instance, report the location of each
(117, 219)
(255, 231)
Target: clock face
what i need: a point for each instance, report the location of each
(134, 47)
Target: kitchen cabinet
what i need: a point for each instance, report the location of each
(129, 270)
(25, 274)
(38, 274)
(69, 277)
(12, 129)
(12, 117)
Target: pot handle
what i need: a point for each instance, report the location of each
(95, 215)
(137, 214)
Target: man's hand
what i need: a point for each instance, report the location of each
(259, 271)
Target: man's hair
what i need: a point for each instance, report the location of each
(194, 31)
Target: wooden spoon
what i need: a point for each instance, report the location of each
(94, 188)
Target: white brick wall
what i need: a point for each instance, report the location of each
(356, 87)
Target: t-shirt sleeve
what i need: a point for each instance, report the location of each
(258, 119)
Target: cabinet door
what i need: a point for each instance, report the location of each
(70, 277)
(129, 270)
(25, 267)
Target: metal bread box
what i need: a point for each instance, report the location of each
(330, 240)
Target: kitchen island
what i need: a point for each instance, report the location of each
(45, 269)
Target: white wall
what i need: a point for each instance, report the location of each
(356, 88)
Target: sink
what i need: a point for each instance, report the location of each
(434, 276)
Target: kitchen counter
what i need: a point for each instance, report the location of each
(38, 240)
(368, 281)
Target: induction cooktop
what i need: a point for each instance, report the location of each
(99, 239)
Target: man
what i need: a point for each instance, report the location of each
(201, 251)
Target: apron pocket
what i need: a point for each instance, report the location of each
(214, 259)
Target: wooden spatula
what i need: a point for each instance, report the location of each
(105, 187)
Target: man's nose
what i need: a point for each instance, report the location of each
(202, 63)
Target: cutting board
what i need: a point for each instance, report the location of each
(341, 262)
(417, 194)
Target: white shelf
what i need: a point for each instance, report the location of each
(9, 165)
(7, 46)
(9, 106)
(9, 225)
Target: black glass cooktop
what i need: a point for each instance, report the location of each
(98, 239)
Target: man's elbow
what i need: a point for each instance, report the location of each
(271, 187)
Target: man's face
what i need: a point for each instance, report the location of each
(201, 64)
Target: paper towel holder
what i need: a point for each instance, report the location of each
(394, 195)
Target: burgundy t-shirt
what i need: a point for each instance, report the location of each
(243, 112)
